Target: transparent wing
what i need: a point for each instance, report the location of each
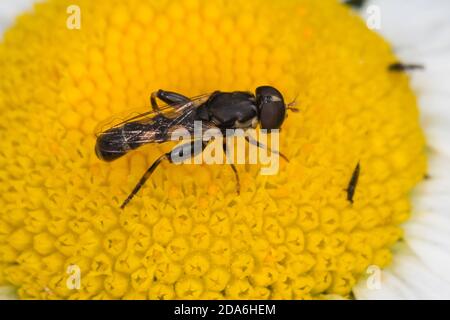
(171, 111)
(150, 127)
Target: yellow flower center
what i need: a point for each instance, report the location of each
(187, 234)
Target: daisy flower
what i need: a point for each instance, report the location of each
(67, 65)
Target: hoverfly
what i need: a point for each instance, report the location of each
(220, 110)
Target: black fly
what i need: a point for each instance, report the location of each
(401, 67)
(221, 110)
(353, 183)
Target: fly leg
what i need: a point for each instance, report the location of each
(143, 180)
(170, 98)
(155, 106)
(236, 174)
(177, 155)
(263, 146)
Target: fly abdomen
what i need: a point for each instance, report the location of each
(116, 142)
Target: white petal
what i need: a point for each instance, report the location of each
(391, 289)
(10, 9)
(436, 259)
(413, 22)
(417, 277)
(438, 140)
(407, 278)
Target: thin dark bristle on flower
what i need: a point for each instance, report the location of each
(400, 67)
(355, 3)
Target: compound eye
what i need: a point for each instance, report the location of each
(272, 109)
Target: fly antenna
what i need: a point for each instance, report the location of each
(292, 105)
